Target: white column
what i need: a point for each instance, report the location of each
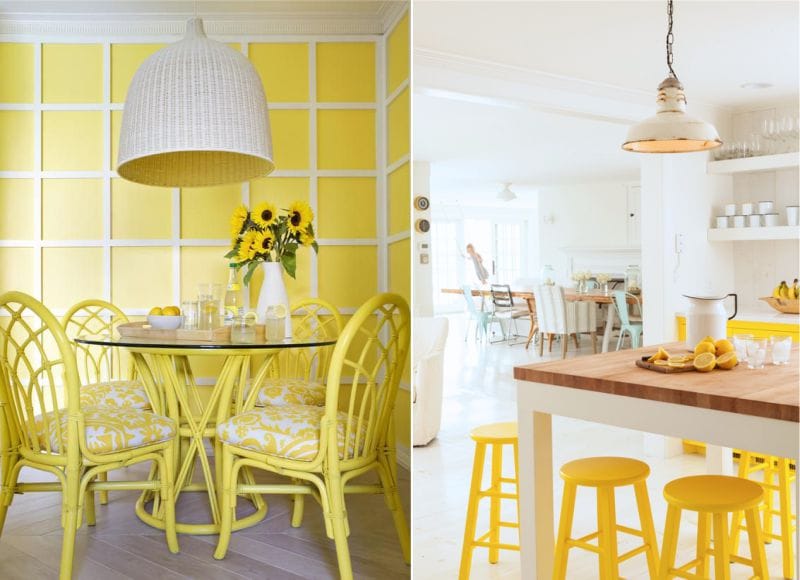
(422, 274)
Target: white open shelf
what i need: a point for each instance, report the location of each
(752, 164)
(765, 233)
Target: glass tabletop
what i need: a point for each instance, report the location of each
(174, 343)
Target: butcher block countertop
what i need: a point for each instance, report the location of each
(772, 392)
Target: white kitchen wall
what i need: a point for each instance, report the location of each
(585, 226)
(422, 278)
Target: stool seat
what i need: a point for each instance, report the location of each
(501, 433)
(713, 493)
(605, 471)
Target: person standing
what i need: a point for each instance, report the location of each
(480, 270)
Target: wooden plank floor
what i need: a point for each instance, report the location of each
(121, 547)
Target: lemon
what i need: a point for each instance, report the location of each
(155, 311)
(277, 310)
(704, 346)
(708, 339)
(679, 360)
(727, 361)
(660, 355)
(723, 345)
(705, 362)
(661, 363)
(171, 311)
(676, 363)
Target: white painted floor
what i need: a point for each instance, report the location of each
(479, 389)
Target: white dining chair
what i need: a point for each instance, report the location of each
(428, 377)
(557, 317)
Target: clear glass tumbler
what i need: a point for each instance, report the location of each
(740, 344)
(274, 324)
(756, 353)
(781, 348)
(190, 314)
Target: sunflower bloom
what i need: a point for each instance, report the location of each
(300, 217)
(247, 249)
(262, 242)
(306, 238)
(238, 220)
(265, 214)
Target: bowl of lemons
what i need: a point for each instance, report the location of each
(168, 318)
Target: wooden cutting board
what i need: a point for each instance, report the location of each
(642, 363)
(144, 330)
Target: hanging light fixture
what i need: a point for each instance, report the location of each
(671, 130)
(195, 115)
(506, 194)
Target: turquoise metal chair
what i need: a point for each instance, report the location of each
(634, 329)
(481, 318)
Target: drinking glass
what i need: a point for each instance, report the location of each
(274, 325)
(243, 328)
(209, 297)
(740, 344)
(190, 311)
(781, 347)
(756, 352)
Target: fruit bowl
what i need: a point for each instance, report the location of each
(164, 322)
(785, 305)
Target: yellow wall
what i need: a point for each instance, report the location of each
(71, 229)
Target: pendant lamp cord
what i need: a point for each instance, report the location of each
(670, 40)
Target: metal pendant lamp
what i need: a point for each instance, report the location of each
(671, 130)
(506, 194)
(195, 115)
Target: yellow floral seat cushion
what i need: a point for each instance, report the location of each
(108, 430)
(290, 431)
(279, 392)
(115, 394)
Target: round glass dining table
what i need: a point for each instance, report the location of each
(162, 364)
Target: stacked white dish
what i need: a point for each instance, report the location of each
(754, 215)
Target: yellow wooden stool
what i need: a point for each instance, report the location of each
(497, 435)
(773, 468)
(605, 474)
(713, 497)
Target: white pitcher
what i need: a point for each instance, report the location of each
(706, 316)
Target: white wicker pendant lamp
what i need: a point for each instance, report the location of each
(671, 130)
(195, 115)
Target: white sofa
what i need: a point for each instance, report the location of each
(430, 335)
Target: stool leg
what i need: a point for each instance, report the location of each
(670, 547)
(757, 553)
(516, 479)
(607, 526)
(564, 531)
(648, 530)
(722, 552)
(737, 521)
(769, 497)
(472, 511)
(494, 503)
(703, 542)
(785, 495)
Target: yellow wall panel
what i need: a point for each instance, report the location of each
(116, 125)
(290, 138)
(348, 275)
(279, 191)
(399, 194)
(400, 268)
(16, 141)
(72, 209)
(345, 139)
(397, 55)
(346, 207)
(346, 72)
(205, 211)
(296, 288)
(399, 128)
(199, 265)
(284, 70)
(141, 277)
(72, 73)
(140, 211)
(70, 275)
(125, 61)
(16, 209)
(16, 67)
(16, 272)
(72, 140)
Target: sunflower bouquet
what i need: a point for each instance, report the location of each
(265, 235)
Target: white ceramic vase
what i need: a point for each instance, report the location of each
(273, 291)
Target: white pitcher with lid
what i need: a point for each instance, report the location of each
(706, 316)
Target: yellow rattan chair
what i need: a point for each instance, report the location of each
(302, 371)
(107, 381)
(43, 427)
(323, 448)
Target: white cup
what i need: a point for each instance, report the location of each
(770, 219)
(765, 207)
(747, 208)
(730, 209)
(754, 221)
(738, 221)
(722, 222)
(792, 214)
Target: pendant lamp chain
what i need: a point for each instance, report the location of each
(670, 40)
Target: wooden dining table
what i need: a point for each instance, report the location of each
(753, 409)
(571, 296)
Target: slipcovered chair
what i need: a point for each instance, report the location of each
(430, 336)
(44, 427)
(556, 316)
(323, 448)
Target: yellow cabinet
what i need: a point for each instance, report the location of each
(757, 329)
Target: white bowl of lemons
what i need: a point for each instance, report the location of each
(168, 318)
